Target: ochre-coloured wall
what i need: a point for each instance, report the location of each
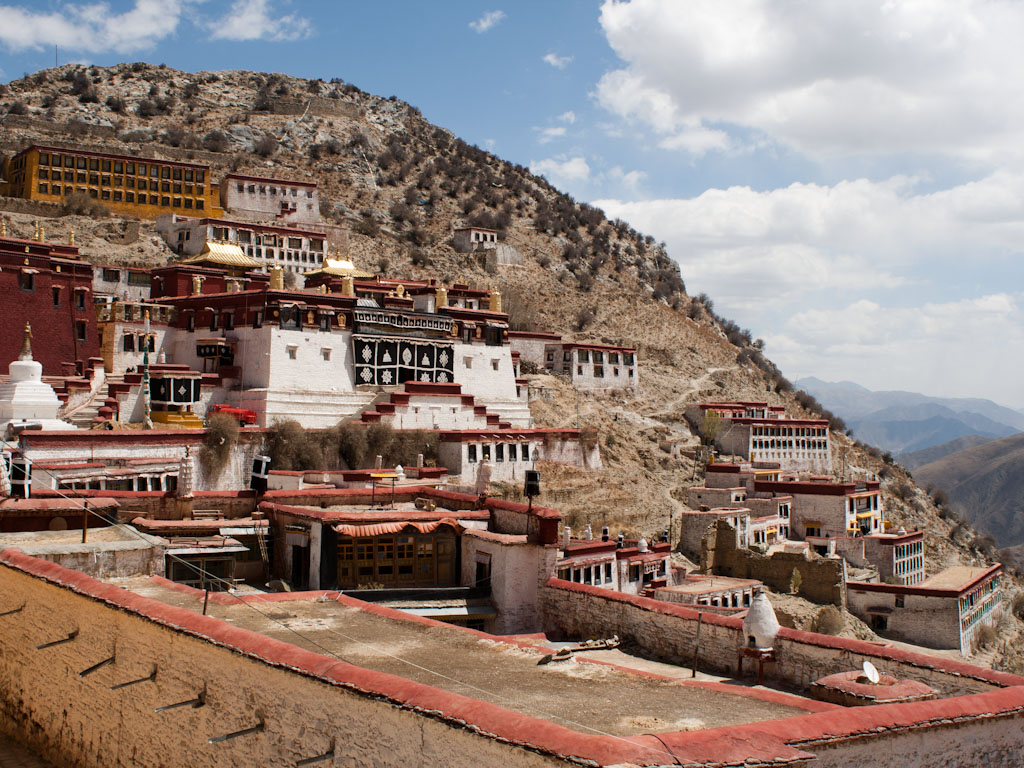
(25, 182)
(80, 721)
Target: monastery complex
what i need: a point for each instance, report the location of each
(162, 607)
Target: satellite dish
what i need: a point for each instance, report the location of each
(870, 672)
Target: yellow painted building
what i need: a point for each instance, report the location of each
(141, 187)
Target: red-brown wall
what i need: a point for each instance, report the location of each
(54, 339)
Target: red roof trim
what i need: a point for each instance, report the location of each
(111, 156)
(253, 226)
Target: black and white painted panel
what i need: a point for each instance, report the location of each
(386, 361)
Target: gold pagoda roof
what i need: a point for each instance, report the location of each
(339, 268)
(223, 254)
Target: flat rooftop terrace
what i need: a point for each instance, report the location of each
(107, 539)
(584, 695)
(955, 577)
(698, 585)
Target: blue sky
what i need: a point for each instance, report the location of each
(845, 179)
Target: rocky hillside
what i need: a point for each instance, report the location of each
(986, 482)
(399, 184)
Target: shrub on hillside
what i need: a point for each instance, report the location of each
(829, 620)
(80, 204)
(215, 141)
(292, 448)
(903, 490)
(1017, 605)
(219, 443)
(265, 146)
(985, 637)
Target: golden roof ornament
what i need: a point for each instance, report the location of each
(400, 290)
(71, 237)
(495, 301)
(3, 228)
(26, 343)
(347, 286)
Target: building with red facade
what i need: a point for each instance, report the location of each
(50, 287)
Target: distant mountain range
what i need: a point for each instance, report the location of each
(986, 483)
(908, 422)
(934, 453)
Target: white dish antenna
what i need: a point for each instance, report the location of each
(871, 673)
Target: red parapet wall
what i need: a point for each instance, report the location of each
(293, 687)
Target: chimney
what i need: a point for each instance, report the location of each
(566, 535)
(588, 533)
(642, 545)
(605, 533)
(621, 541)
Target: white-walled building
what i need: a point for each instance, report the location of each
(258, 198)
(294, 250)
(946, 610)
(759, 432)
(466, 239)
(594, 366)
(630, 566)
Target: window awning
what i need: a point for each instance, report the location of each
(383, 529)
(861, 515)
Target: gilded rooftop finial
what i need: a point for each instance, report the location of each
(71, 237)
(26, 343)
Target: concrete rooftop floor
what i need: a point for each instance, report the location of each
(578, 694)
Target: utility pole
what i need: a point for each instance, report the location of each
(147, 421)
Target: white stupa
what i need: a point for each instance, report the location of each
(760, 625)
(26, 400)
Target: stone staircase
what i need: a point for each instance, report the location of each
(87, 415)
(422, 405)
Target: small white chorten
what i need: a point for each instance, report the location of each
(760, 626)
(26, 399)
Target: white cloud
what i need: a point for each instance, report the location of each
(91, 28)
(697, 140)
(556, 61)
(567, 117)
(629, 180)
(486, 21)
(562, 169)
(251, 20)
(943, 348)
(552, 132)
(862, 280)
(887, 76)
(490, 144)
